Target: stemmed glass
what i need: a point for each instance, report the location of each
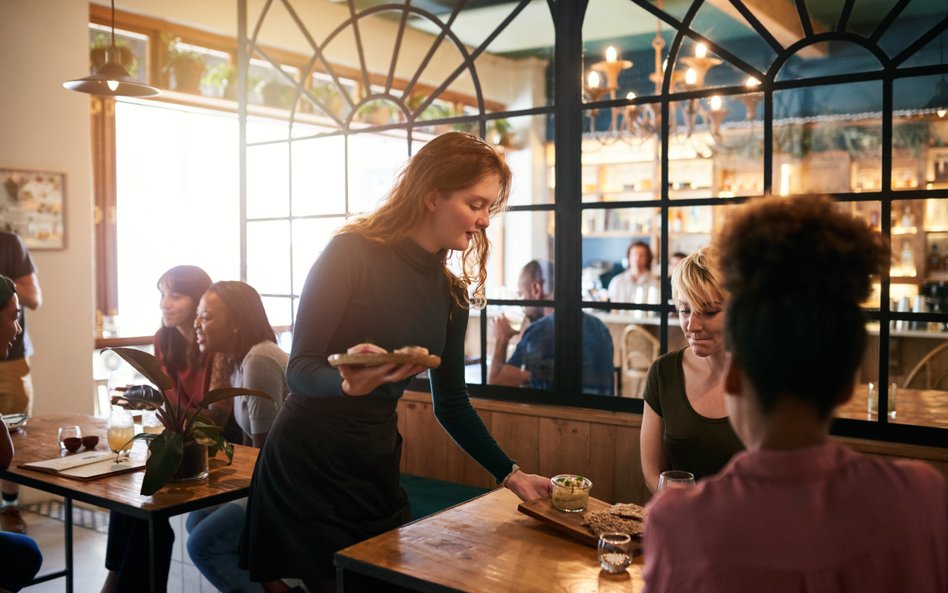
(672, 479)
(121, 431)
(65, 433)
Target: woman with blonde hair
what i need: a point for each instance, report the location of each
(684, 423)
(328, 474)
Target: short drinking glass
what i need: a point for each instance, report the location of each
(69, 437)
(671, 479)
(614, 552)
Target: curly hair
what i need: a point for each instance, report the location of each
(449, 163)
(797, 270)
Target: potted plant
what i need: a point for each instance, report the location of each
(123, 53)
(377, 112)
(501, 133)
(186, 66)
(222, 77)
(329, 99)
(181, 451)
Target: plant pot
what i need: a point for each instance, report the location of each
(187, 76)
(193, 463)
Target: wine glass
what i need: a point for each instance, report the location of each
(671, 479)
(150, 422)
(121, 431)
(69, 437)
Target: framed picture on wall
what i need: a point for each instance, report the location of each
(32, 205)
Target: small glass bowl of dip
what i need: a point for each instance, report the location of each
(570, 492)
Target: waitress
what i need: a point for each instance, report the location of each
(328, 475)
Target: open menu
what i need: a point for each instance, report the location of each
(88, 465)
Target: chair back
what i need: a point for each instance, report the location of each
(638, 350)
(931, 372)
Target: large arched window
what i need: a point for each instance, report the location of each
(633, 128)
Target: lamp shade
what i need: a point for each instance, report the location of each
(112, 80)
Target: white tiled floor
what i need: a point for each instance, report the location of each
(89, 558)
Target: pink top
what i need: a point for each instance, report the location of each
(821, 519)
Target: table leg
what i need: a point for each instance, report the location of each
(67, 508)
(151, 554)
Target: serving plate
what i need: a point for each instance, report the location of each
(429, 361)
(15, 421)
(569, 523)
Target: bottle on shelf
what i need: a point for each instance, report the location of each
(934, 261)
(908, 219)
(908, 259)
(677, 222)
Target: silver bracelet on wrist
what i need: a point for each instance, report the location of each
(514, 469)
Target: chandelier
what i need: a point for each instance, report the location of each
(639, 122)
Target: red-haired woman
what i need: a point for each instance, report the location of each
(328, 475)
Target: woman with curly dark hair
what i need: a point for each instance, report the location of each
(797, 511)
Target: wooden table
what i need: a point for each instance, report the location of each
(921, 407)
(37, 441)
(485, 545)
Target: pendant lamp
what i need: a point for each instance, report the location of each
(111, 79)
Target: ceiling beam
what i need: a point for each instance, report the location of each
(775, 15)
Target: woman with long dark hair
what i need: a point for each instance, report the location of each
(328, 475)
(232, 324)
(176, 348)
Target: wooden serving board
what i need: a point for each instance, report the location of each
(568, 523)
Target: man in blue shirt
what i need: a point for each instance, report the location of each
(531, 364)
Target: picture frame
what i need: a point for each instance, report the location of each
(33, 205)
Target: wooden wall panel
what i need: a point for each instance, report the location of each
(548, 440)
(519, 436)
(564, 447)
(603, 459)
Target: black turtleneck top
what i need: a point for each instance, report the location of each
(361, 290)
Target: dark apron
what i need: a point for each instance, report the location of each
(327, 478)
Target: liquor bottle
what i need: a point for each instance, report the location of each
(908, 259)
(934, 262)
(908, 219)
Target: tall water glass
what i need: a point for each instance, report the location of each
(121, 430)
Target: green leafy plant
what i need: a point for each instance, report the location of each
(222, 76)
(177, 54)
(182, 423)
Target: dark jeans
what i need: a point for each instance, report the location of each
(21, 559)
(127, 553)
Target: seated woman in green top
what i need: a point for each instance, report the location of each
(684, 424)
